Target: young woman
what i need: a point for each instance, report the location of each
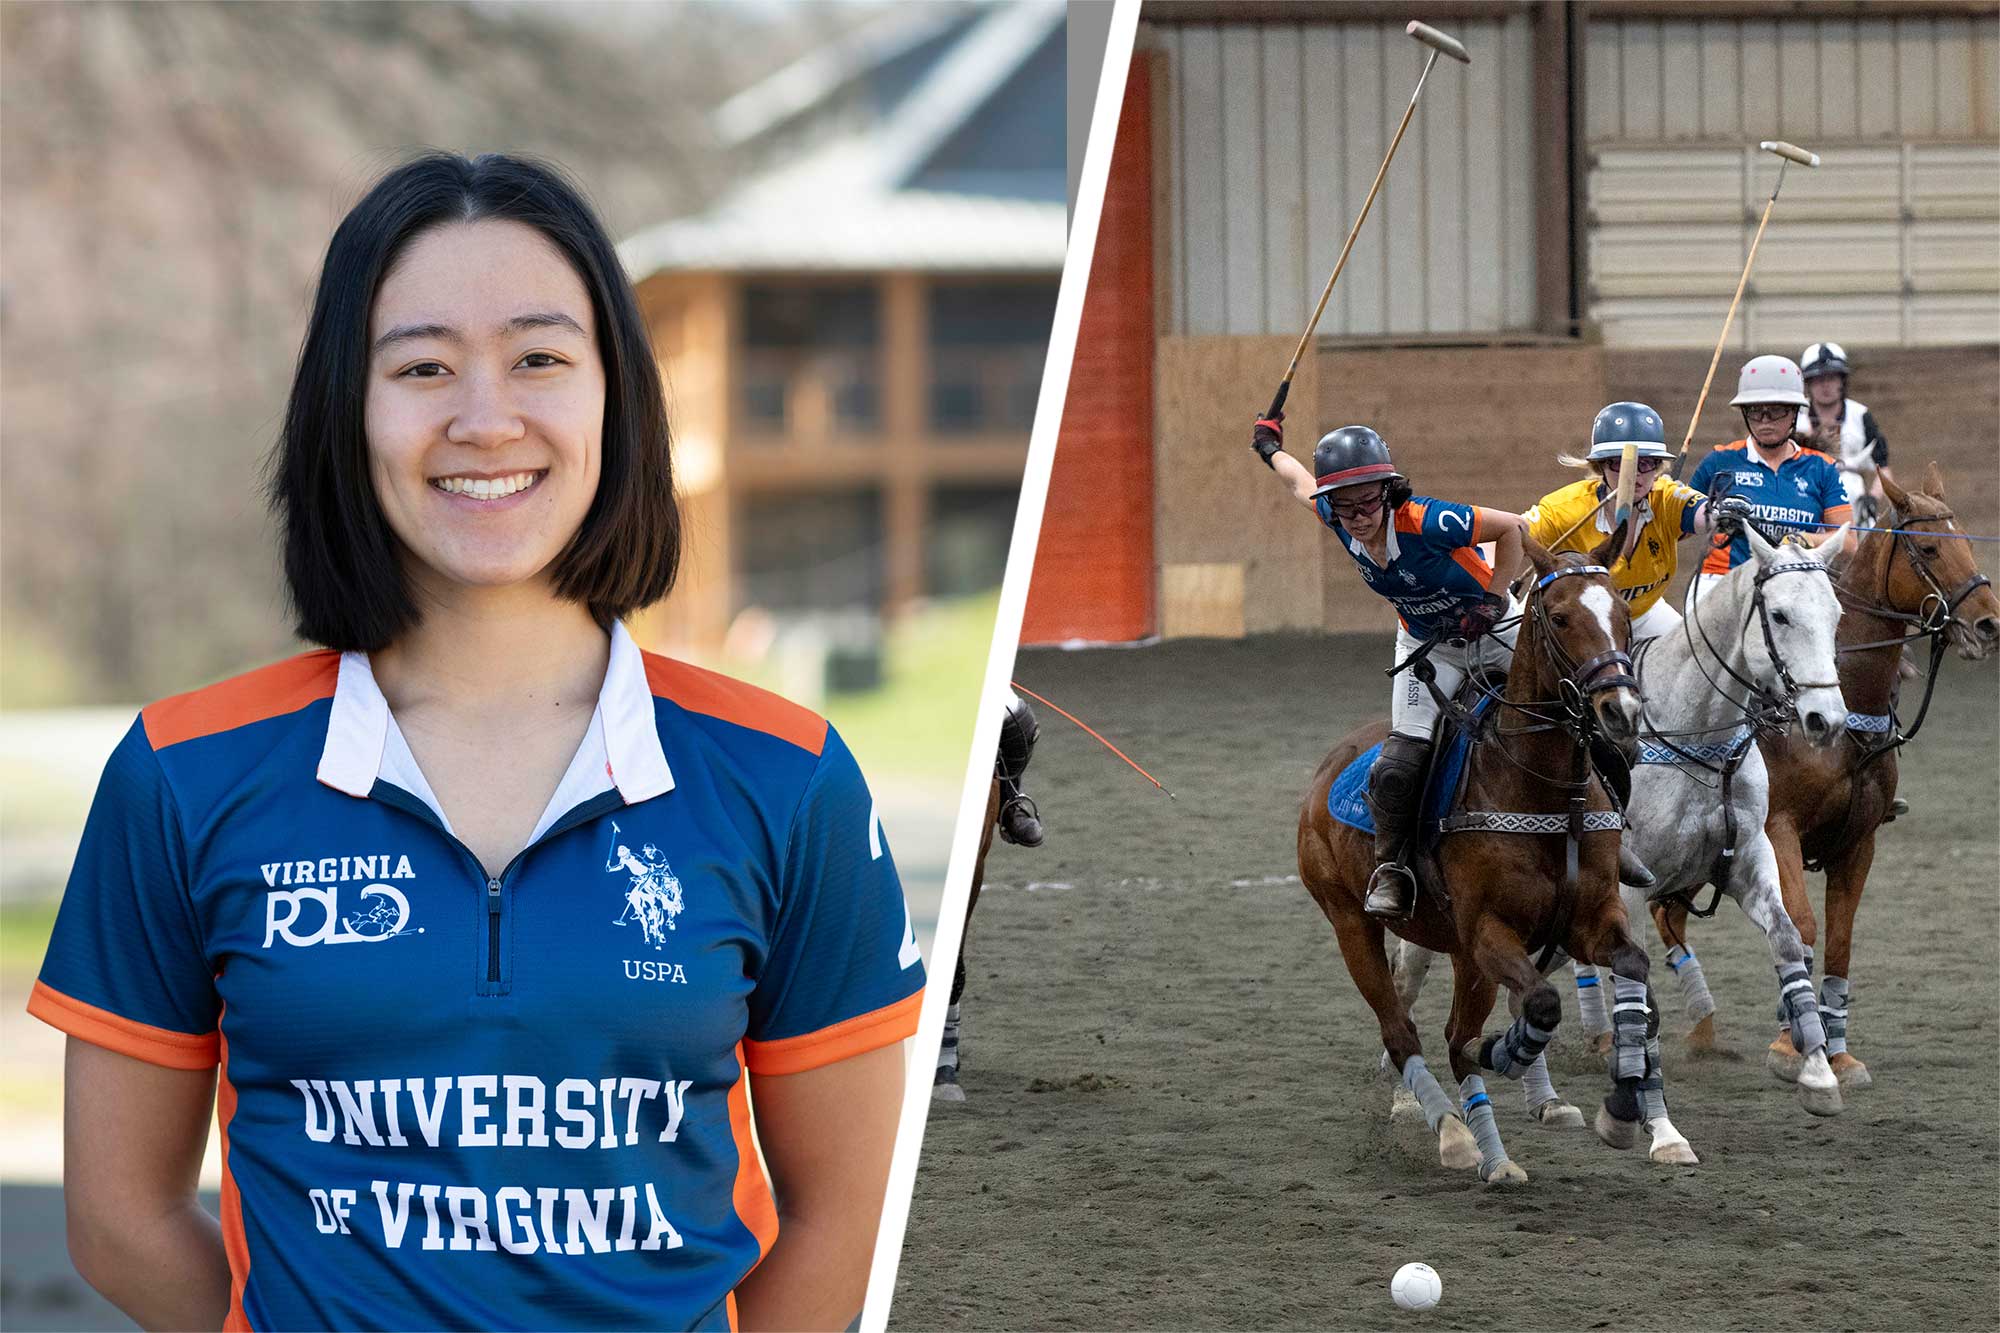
(1578, 517)
(1422, 555)
(1841, 428)
(1783, 483)
(480, 926)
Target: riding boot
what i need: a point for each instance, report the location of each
(1020, 822)
(1395, 799)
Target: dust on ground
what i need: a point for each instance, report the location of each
(1173, 1118)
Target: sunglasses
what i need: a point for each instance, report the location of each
(1642, 465)
(1356, 508)
(1771, 412)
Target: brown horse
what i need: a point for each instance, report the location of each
(1907, 586)
(944, 1082)
(1526, 868)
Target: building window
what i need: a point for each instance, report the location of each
(810, 550)
(971, 527)
(988, 340)
(811, 362)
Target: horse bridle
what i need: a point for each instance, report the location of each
(1578, 681)
(1774, 707)
(1938, 612)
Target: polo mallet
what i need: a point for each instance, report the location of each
(1786, 153)
(1628, 457)
(1439, 43)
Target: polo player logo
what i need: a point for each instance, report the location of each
(1801, 482)
(653, 898)
(1408, 577)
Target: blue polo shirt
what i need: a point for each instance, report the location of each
(1435, 570)
(1804, 489)
(449, 1100)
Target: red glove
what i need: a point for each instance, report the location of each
(1267, 437)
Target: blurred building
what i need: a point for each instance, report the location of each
(853, 339)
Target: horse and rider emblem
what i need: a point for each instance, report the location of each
(653, 898)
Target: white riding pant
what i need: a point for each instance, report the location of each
(1700, 586)
(1413, 711)
(1660, 618)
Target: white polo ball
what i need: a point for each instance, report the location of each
(1416, 1287)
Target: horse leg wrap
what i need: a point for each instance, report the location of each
(1479, 1118)
(1536, 1085)
(1424, 1087)
(1631, 1019)
(1510, 1054)
(948, 1047)
(1694, 986)
(1784, 1014)
(1652, 1090)
(1590, 999)
(1799, 1010)
(1833, 1002)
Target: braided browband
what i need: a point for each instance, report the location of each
(1546, 579)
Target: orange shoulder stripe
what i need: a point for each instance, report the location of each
(1410, 517)
(717, 696)
(115, 1032)
(272, 691)
(855, 1036)
(1734, 446)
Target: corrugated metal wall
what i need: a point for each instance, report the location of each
(1272, 134)
(1895, 239)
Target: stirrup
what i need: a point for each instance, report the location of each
(1020, 821)
(1392, 892)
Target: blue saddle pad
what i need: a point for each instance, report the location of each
(1347, 799)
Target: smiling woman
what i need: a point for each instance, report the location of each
(599, 894)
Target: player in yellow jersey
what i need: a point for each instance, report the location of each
(1667, 511)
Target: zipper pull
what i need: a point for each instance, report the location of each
(493, 897)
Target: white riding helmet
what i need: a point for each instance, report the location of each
(1769, 379)
(1823, 359)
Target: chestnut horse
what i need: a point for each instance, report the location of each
(944, 1082)
(1906, 586)
(1529, 862)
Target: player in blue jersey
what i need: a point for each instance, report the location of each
(1422, 555)
(1784, 484)
(480, 927)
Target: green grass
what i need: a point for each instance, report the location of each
(919, 725)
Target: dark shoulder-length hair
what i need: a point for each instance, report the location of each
(346, 582)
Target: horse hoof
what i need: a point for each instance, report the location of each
(1404, 1108)
(1618, 1133)
(1457, 1148)
(1674, 1152)
(1819, 1090)
(1557, 1114)
(1506, 1173)
(1850, 1071)
(1783, 1059)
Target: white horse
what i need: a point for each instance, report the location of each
(1757, 648)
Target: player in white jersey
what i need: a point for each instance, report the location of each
(1842, 428)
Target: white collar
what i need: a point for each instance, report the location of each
(621, 749)
(1356, 545)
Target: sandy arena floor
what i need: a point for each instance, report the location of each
(1174, 1121)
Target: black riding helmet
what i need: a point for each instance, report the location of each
(1353, 456)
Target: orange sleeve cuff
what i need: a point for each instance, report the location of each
(855, 1036)
(141, 1041)
(1838, 514)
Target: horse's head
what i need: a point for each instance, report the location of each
(1937, 574)
(1584, 631)
(1788, 632)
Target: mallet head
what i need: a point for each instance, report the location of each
(1790, 152)
(1431, 37)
